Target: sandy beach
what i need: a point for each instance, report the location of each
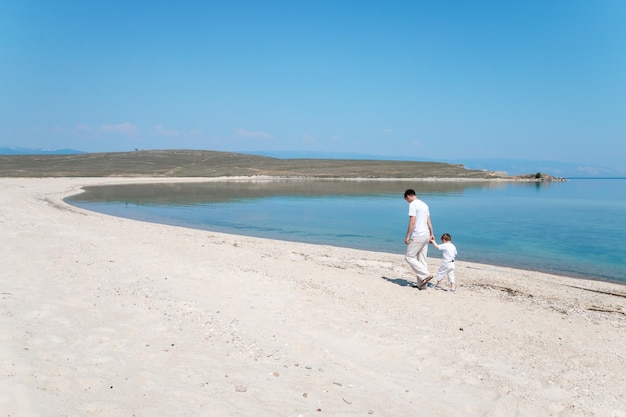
(104, 316)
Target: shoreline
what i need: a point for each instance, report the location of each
(110, 316)
(599, 276)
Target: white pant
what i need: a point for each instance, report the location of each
(446, 269)
(416, 255)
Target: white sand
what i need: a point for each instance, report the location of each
(103, 316)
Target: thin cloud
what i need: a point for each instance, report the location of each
(83, 128)
(388, 131)
(252, 134)
(162, 131)
(308, 138)
(125, 128)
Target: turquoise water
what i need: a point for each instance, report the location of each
(575, 228)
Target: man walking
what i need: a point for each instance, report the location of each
(418, 235)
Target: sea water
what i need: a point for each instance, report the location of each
(575, 228)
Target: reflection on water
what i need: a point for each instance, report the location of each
(214, 192)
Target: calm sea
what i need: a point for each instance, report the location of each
(575, 228)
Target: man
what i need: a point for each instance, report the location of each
(418, 235)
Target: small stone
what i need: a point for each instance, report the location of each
(347, 401)
(305, 395)
(241, 388)
(276, 374)
(370, 412)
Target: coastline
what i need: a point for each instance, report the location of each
(110, 316)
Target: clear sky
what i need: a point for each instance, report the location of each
(540, 80)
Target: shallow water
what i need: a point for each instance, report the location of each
(575, 228)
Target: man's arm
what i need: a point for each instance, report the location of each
(430, 228)
(410, 229)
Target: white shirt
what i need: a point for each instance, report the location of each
(449, 251)
(420, 211)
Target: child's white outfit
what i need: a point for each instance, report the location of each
(447, 264)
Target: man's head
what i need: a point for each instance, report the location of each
(409, 195)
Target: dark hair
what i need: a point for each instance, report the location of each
(446, 236)
(408, 193)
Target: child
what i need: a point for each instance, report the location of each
(447, 265)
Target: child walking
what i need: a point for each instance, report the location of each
(447, 264)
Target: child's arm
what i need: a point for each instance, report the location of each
(434, 242)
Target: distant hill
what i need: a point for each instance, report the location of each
(511, 167)
(11, 150)
(190, 163)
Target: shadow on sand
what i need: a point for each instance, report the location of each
(400, 281)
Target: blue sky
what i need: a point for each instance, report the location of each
(540, 80)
